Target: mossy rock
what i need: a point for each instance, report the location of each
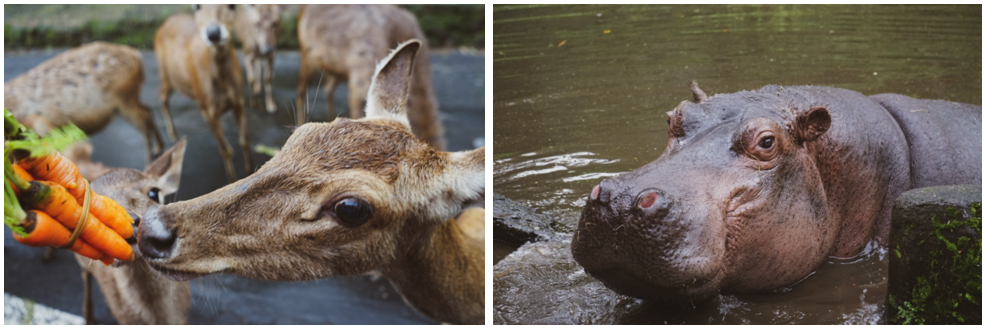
(935, 255)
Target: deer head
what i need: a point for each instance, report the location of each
(213, 22)
(341, 198)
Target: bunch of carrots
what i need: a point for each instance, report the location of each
(50, 186)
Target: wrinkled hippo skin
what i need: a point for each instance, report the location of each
(756, 189)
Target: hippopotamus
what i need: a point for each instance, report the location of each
(755, 190)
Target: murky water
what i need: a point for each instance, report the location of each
(580, 94)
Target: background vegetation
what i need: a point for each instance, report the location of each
(59, 25)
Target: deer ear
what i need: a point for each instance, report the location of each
(390, 89)
(462, 184)
(167, 167)
(812, 124)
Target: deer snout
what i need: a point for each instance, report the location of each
(155, 240)
(265, 50)
(213, 33)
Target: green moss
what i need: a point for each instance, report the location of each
(955, 282)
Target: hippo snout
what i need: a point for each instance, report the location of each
(617, 201)
(639, 240)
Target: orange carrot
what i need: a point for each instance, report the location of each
(23, 174)
(55, 201)
(111, 214)
(42, 230)
(56, 168)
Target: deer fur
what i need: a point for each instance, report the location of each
(85, 86)
(257, 27)
(284, 223)
(345, 42)
(207, 70)
(134, 292)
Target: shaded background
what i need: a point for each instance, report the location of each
(59, 25)
(458, 78)
(581, 94)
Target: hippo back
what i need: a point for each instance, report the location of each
(944, 139)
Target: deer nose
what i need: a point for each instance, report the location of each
(213, 33)
(266, 50)
(155, 240)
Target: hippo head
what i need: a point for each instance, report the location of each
(735, 203)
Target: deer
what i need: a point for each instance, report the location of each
(347, 197)
(345, 42)
(134, 292)
(195, 56)
(86, 86)
(256, 28)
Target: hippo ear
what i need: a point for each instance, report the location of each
(812, 124)
(699, 95)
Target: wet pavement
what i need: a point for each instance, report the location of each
(459, 83)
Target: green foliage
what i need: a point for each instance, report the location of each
(448, 25)
(56, 140)
(445, 25)
(955, 280)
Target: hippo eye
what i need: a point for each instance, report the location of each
(352, 211)
(766, 143)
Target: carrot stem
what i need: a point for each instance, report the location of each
(11, 127)
(13, 214)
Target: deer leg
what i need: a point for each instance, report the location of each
(141, 117)
(164, 94)
(304, 74)
(244, 137)
(331, 83)
(49, 254)
(87, 310)
(268, 75)
(358, 89)
(225, 150)
(250, 77)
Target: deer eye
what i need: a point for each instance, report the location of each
(154, 194)
(351, 211)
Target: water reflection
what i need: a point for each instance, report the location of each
(580, 94)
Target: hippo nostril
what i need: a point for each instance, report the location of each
(595, 193)
(648, 199)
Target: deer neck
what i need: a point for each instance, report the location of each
(441, 275)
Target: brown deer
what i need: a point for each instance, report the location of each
(135, 293)
(343, 198)
(195, 56)
(257, 27)
(85, 86)
(346, 41)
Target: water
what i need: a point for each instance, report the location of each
(580, 94)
